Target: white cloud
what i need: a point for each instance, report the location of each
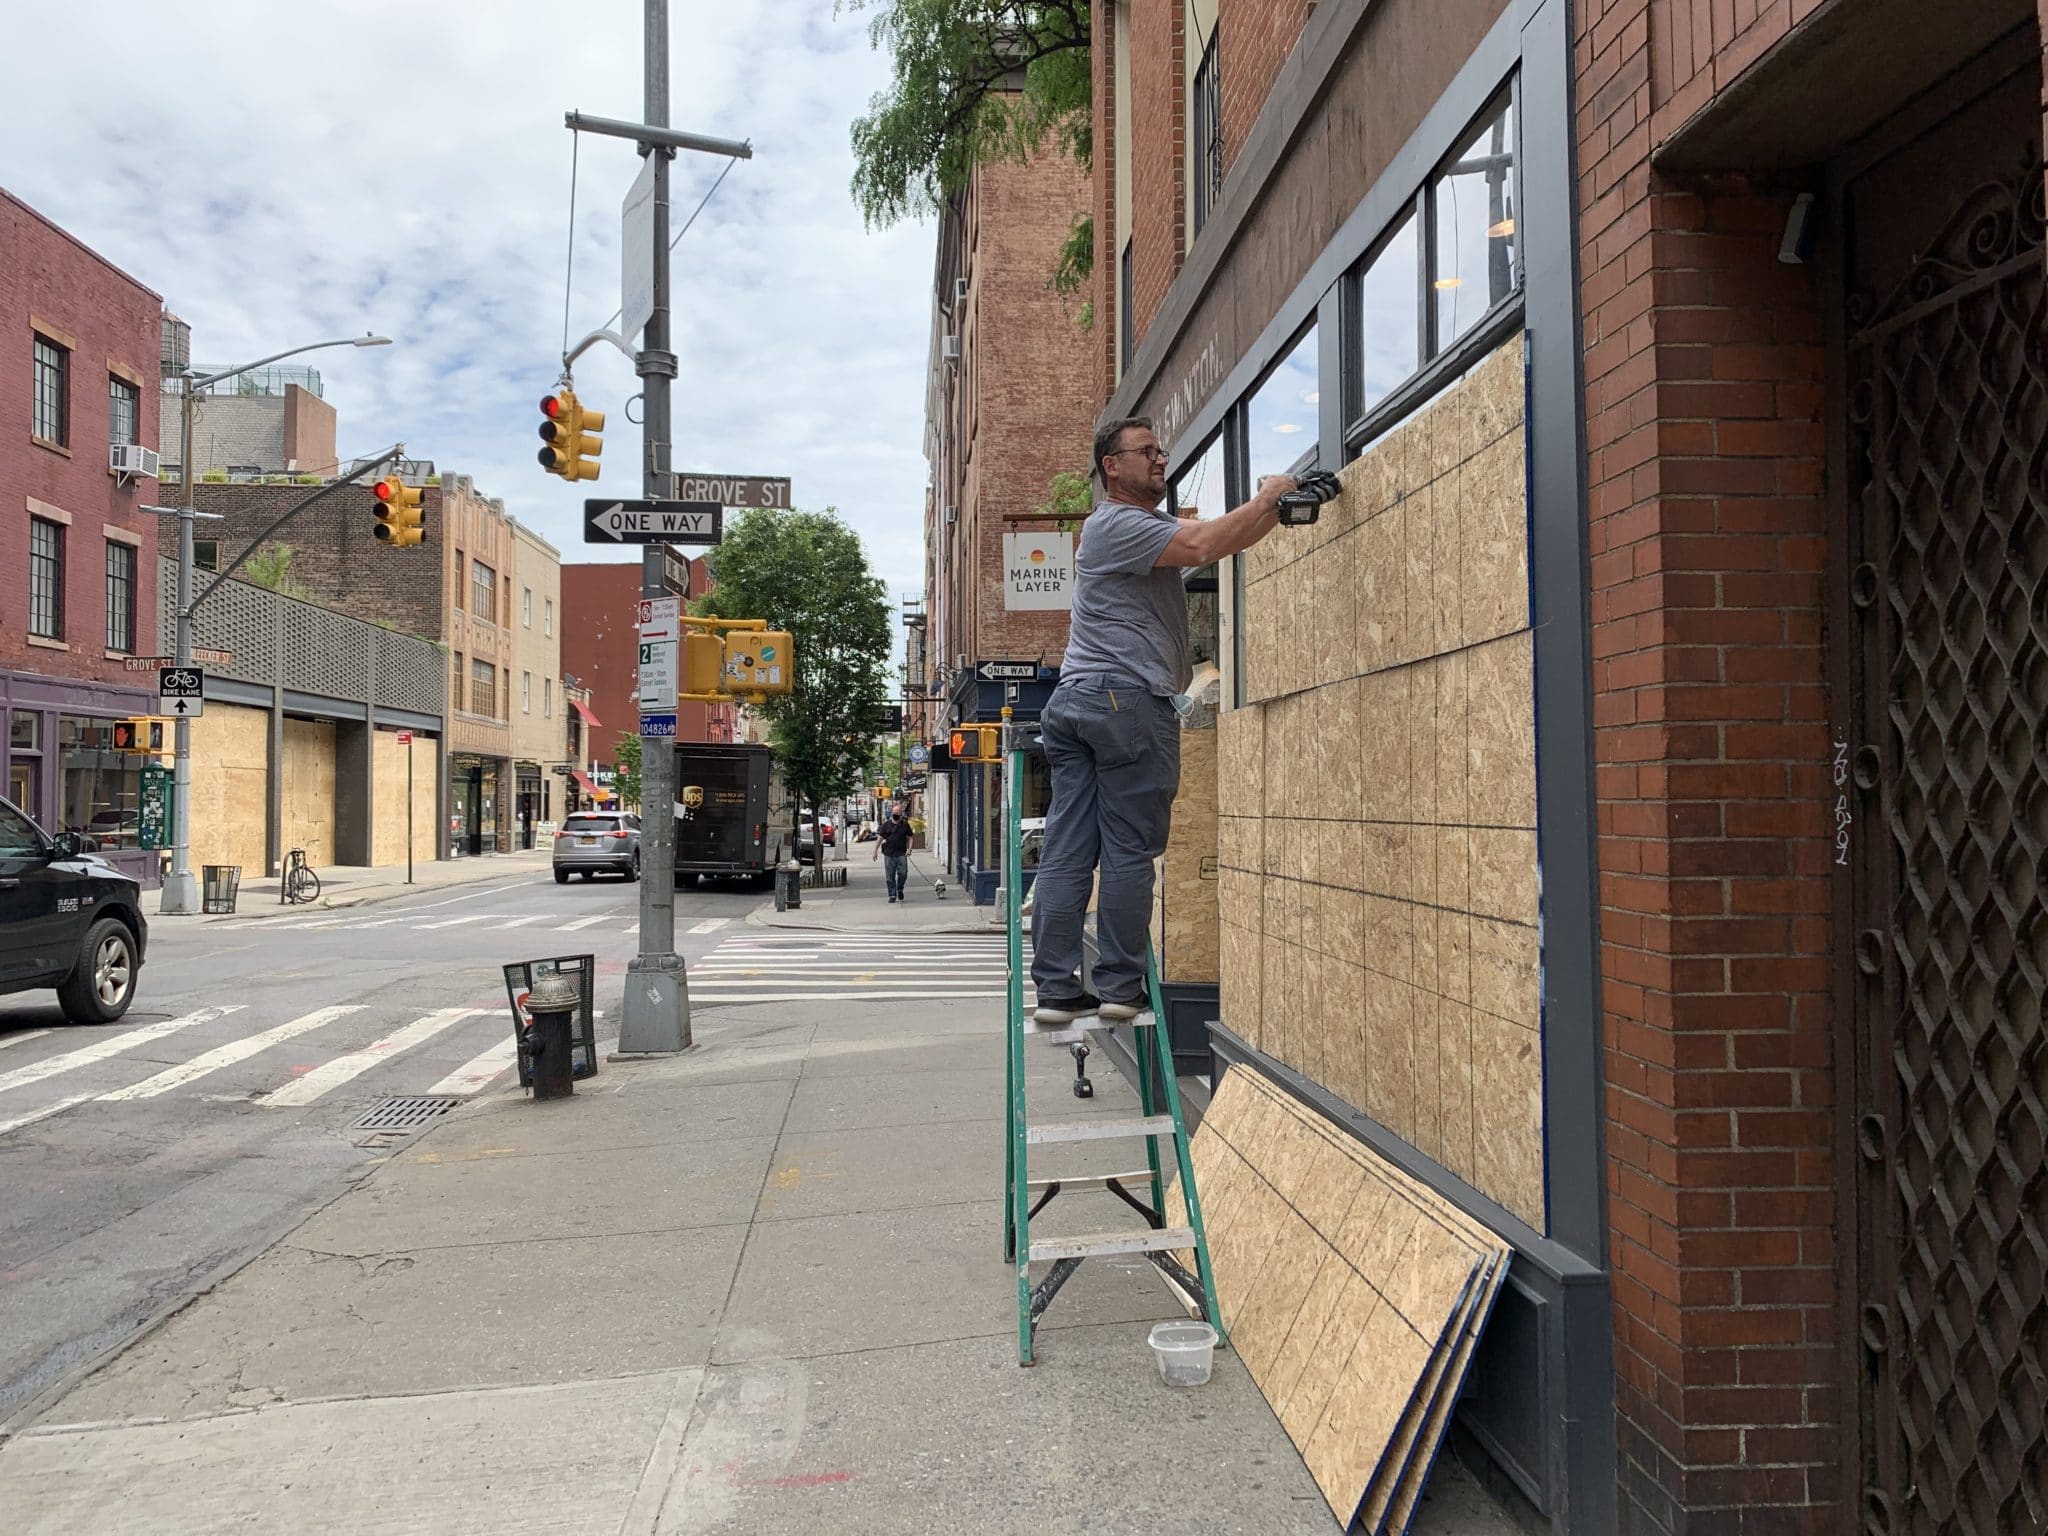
(288, 172)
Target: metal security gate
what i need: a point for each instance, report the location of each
(1942, 820)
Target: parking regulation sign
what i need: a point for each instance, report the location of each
(181, 692)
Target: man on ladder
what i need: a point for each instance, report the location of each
(1112, 726)
(1112, 734)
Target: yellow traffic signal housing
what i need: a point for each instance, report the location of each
(401, 521)
(571, 435)
(975, 744)
(703, 663)
(759, 661)
(141, 734)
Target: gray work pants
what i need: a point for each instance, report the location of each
(896, 870)
(1115, 756)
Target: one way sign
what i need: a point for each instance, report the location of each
(653, 522)
(181, 692)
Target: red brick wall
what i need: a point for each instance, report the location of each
(1707, 541)
(600, 629)
(1158, 157)
(111, 323)
(1253, 39)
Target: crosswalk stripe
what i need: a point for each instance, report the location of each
(42, 1114)
(328, 1076)
(453, 922)
(227, 1055)
(710, 925)
(114, 1045)
(476, 1074)
(632, 930)
(585, 922)
(26, 1034)
(521, 922)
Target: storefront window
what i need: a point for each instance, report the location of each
(1389, 319)
(1475, 254)
(1199, 491)
(102, 788)
(1280, 427)
(24, 731)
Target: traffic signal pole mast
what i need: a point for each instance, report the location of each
(656, 1014)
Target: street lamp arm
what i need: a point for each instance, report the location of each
(198, 381)
(389, 454)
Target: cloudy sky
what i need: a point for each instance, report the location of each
(285, 171)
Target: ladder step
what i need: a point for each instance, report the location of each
(1093, 1244)
(1069, 1183)
(1100, 1130)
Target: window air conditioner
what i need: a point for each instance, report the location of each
(949, 349)
(131, 459)
(959, 291)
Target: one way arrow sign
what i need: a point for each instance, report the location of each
(653, 522)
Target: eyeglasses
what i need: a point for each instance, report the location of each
(1153, 455)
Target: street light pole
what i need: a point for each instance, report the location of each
(180, 895)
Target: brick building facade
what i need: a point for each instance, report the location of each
(79, 592)
(1679, 919)
(1005, 411)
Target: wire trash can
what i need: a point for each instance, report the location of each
(220, 884)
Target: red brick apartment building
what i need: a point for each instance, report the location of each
(82, 341)
(1007, 407)
(1653, 734)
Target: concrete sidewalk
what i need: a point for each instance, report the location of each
(755, 1288)
(862, 905)
(355, 885)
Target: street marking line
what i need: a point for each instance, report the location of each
(227, 1055)
(521, 922)
(632, 930)
(452, 922)
(42, 1114)
(476, 1074)
(27, 1034)
(585, 922)
(710, 925)
(328, 1076)
(100, 1050)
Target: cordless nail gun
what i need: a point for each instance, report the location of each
(1304, 504)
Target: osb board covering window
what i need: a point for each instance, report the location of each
(1184, 879)
(1352, 1293)
(1378, 899)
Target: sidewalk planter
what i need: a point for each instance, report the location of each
(826, 876)
(520, 977)
(220, 884)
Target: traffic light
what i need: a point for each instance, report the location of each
(881, 791)
(703, 663)
(974, 744)
(571, 435)
(139, 735)
(400, 518)
(759, 661)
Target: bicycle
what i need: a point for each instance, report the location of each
(299, 884)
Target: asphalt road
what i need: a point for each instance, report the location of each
(144, 1160)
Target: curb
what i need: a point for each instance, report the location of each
(365, 898)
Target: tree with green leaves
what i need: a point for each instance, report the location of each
(626, 775)
(805, 572)
(975, 82)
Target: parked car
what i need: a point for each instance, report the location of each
(591, 842)
(113, 829)
(67, 920)
(830, 829)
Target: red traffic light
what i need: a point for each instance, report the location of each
(551, 406)
(385, 490)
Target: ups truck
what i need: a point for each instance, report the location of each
(732, 814)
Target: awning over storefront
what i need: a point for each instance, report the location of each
(584, 781)
(583, 711)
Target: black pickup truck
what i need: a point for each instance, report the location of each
(68, 921)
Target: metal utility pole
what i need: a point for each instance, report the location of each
(655, 1018)
(180, 895)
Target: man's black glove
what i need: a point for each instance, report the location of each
(1304, 504)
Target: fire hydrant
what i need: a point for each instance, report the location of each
(547, 1040)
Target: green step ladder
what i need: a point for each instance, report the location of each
(1159, 1119)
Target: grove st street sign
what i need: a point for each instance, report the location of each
(613, 521)
(740, 492)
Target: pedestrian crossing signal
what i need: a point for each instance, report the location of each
(139, 735)
(974, 744)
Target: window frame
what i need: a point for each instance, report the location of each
(123, 394)
(526, 693)
(51, 407)
(547, 698)
(483, 676)
(120, 603)
(1205, 130)
(54, 560)
(526, 607)
(483, 592)
(1125, 287)
(547, 613)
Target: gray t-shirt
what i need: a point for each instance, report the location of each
(1130, 616)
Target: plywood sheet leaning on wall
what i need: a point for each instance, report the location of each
(1353, 1293)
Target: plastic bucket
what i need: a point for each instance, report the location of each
(1184, 1352)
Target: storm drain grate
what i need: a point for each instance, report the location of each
(404, 1114)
